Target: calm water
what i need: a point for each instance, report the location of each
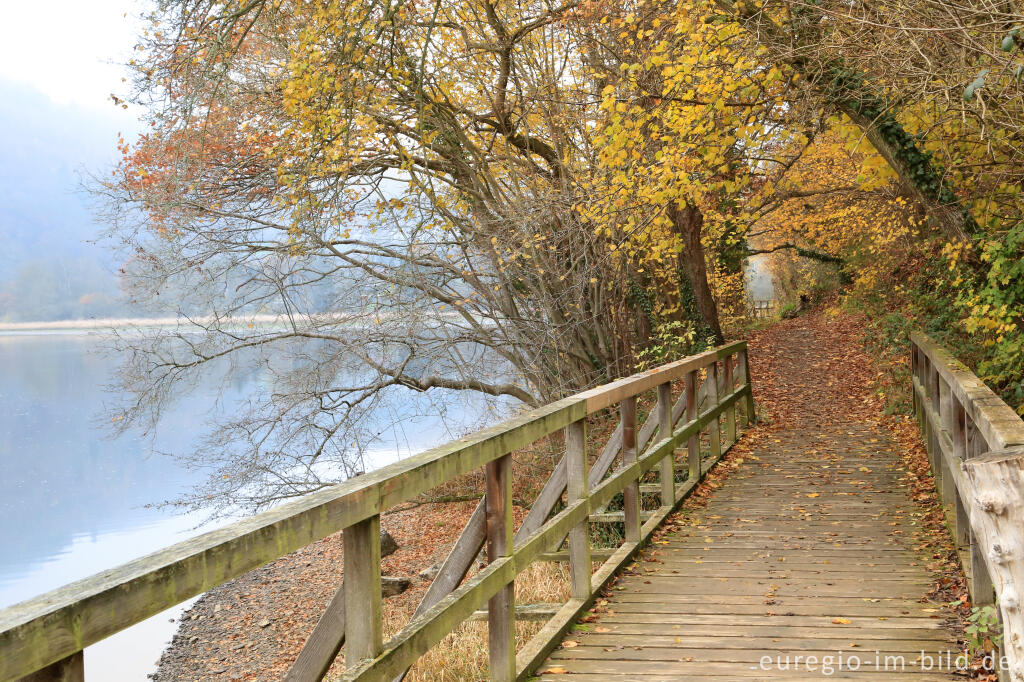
(73, 501)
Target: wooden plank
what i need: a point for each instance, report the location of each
(606, 396)
(692, 444)
(631, 490)
(999, 425)
(665, 424)
(730, 414)
(323, 644)
(70, 669)
(995, 495)
(744, 364)
(525, 612)
(501, 617)
(958, 436)
(617, 517)
(596, 554)
(714, 384)
(578, 488)
(364, 627)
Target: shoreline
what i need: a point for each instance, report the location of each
(101, 324)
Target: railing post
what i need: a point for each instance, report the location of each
(693, 444)
(363, 625)
(936, 434)
(631, 492)
(946, 419)
(929, 435)
(958, 434)
(70, 669)
(982, 589)
(501, 631)
(668, 464)
(578, 489)
(748, 400)
(715, 428)
(730, 413)
(915, 372)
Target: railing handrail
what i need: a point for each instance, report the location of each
(46, 629)
(975, 445)
(999, 423)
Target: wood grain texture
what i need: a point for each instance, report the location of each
(631, 491)
(501, 617)
(363, 632)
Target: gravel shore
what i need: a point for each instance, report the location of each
(253, 627)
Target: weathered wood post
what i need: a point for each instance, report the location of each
(997, 507)
(668, 464)
(948, 491)
(578, 489)
(715, 392)
(958, 434)
(501, 616)
(981, 583)
(936, 434)
(693, 444)
(631, 492)
(730, 412)
(363, 625)
(748, 400)
(70, 669)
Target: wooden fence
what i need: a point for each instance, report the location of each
(43, 638)
(975, 444)
(762, 308)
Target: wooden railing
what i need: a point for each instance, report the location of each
(762, 308)
(43, 638)
(975, 444)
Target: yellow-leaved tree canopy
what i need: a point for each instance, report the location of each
(495, 198)
(516, 200)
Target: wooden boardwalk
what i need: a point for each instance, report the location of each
(801, 565)
(805, 550)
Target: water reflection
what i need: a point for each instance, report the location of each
(73, 501)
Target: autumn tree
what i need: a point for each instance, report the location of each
(408, 190)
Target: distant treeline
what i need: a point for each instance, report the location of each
(60, 288)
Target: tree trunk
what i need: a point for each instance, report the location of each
(688, 223)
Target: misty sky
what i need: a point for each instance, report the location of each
(59, 63)
(69, 50)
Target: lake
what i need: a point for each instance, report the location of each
(74, 501)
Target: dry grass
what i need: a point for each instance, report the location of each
(462, 655)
